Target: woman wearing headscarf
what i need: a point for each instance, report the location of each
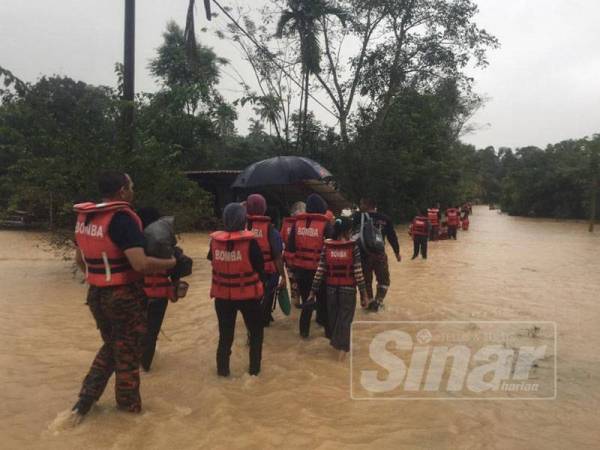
(340, 266)
(306, 242)
(238, 270)
(269, 241)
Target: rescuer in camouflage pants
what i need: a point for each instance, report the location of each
(120, 315)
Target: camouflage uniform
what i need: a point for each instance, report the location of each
(120, 315)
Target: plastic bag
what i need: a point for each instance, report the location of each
(370, 238)
(160, 238)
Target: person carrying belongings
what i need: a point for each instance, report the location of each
(288, 256)
(161, 287)
(371, 228)
(340, 266)
(110, 251)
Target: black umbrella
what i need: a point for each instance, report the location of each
(281, 170)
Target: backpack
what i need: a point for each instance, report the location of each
(370, 237)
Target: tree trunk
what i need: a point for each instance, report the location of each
(299, 131)
(305, 112)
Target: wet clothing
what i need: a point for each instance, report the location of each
(120, 316)
(157, 308)
(385, 225)
(376, 264)
(341, 304)
(452, 231)
(420, 245)
(341, 300)
(251, 311)
(304, 278)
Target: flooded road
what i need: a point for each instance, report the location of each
(503, 268)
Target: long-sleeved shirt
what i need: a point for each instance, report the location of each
(323, 269)
(385, 225)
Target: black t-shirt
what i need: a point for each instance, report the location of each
(125, 232)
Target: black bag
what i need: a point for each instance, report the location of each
(160, 238)
(370, 237)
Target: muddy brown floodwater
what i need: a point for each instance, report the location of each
(503, 268)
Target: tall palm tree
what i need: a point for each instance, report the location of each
(303, 19)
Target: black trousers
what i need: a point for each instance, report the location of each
(420, 244)
(252, 313)
(269, 298)
(156, 313)
(341, 304)
(433, 232)
(304, 278)
(452, 231)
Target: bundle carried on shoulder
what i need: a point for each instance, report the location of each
(370, 237)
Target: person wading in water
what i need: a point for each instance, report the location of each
(110, 251)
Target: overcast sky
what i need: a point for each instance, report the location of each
(543, 84)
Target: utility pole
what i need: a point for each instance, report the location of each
(594, 166)
(129, 74)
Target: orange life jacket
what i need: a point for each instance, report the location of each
(432, 215)
(159, 285)
(233, 277)
(452, 217)
(465, 224)
(419, 226)
(310, 234)
(340, 262)
(286, 229)
(105, 262)
(259, 225)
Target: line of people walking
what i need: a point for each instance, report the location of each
(134, 268)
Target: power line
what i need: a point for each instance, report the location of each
(268, 54)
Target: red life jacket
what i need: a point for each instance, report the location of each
(286, 229)
(233, 277)
(432, 215)
(465, 224)
(452, 217)
(310, 234)
(419, 226)
(105, 262)
(340, 262)
(159, 285)
(259, 225)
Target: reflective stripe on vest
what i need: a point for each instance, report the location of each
(339, 257)
(106, 264)
(159, 286)
(310, 231)
(419, 226)
(259, 225)
(233, 277)
(432, 215)
(452, 217)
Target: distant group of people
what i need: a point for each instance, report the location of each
(435, 226)
(325, 258)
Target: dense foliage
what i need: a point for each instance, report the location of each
(400, 104)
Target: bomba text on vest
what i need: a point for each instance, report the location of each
(222, 255)
(90, 230)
